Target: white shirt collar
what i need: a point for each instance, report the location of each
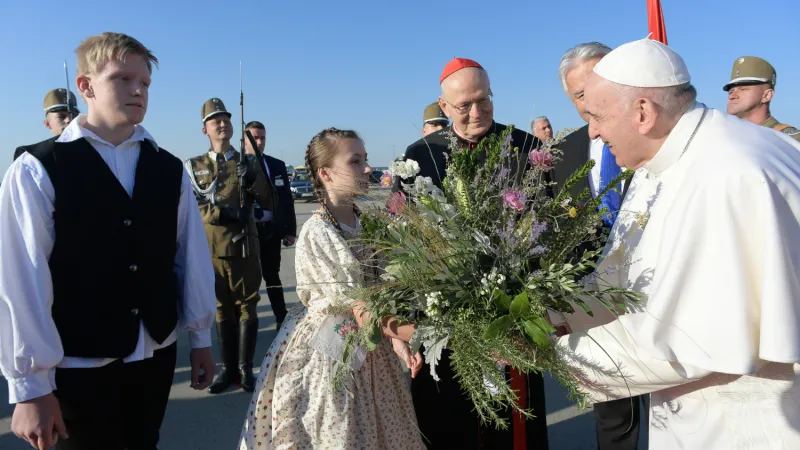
(672, 148)
(228, 155)
(75, 130)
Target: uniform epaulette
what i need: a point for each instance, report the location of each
(791, 131)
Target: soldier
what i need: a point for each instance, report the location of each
(215, 176)
(750, 92)
(433, 119)
(58, 113)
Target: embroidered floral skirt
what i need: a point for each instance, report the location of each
(294, 405)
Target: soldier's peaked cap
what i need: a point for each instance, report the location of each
(212, 107)
(56, 100)
(433, 113)
(751, 70)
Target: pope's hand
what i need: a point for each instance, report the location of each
(562, 329)
(39, 422)
(202, 368)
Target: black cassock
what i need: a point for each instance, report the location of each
(445, 413)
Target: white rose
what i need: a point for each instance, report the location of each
(412, 167)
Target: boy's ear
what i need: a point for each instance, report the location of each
(47, 124)
(84, 87)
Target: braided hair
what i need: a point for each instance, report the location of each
(320, 153)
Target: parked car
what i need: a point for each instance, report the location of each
(301, 188)
(375, 177)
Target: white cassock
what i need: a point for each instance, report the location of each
(711, 237)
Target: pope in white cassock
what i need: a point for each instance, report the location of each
(709, 233)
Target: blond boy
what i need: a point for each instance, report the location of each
(104, 261)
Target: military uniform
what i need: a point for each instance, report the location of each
(749, 70)
(238, 279)
(773, 123)
(54, 101)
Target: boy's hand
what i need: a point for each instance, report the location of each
(202, 368)
(39, 422)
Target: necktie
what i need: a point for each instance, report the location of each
(612, 200)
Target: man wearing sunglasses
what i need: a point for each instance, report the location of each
(445, 413)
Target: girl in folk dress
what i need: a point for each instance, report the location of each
(295, 405)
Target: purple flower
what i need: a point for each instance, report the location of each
(538, 251)
(537, 229)
(397, 203)
(505, 149)
(514, 200)
(541, 160)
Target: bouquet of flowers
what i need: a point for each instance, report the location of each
(480, 263)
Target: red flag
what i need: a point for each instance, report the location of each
(655, 21)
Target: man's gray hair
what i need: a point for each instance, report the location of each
(674, 101)
(533, 122)
(541, 118)
(579, 54)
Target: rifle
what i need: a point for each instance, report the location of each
(243, 197)
(66, 78)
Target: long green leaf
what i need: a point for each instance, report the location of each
(502, 300)
(498, 327)
(520, 307)
(536, 333)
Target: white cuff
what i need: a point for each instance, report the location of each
(33, 386)
(200, 339)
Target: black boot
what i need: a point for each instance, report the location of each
(226, 334)
(248, 332)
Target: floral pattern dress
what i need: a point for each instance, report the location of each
(295, 405)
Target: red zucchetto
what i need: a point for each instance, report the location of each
(455, 65)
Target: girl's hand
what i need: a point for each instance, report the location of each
(402, 350)
(414, 363)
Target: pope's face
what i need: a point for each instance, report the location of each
(616, 127)
(576, 84)
(466, 100)
(743, 99)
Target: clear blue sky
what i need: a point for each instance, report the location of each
(367, 65)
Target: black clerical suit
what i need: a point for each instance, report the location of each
(445, 413)
(617, 421)
(271, 233)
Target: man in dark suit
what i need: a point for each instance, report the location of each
(444, 412)
(617, 421)
(274, 227)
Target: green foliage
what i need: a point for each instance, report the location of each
(479, 276)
